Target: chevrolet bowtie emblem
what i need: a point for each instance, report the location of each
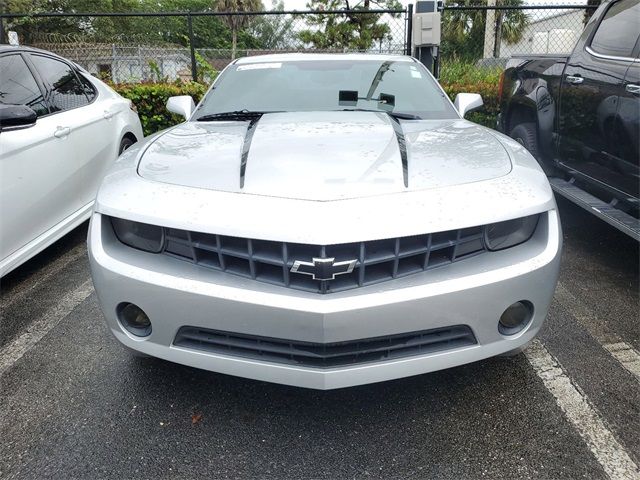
(323, 268)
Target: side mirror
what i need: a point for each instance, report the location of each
(181, 105)
(467, 102)
(16, 117)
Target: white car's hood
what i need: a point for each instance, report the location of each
(324, 155)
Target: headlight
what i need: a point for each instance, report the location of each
(510, 233)
(142, 236)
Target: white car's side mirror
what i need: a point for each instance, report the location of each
(16, 117)
(181, 105)
(467, 102)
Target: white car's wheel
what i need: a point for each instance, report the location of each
(125, 143)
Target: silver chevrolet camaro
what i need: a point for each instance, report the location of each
(325, 221)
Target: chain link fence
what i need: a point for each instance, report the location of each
(183, 46)
(486, 36)
(135, 47)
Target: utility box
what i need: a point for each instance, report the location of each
(426, 29)
(425, 33)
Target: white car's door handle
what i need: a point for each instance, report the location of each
(108, 114)
(632, 89)
(62, 132)
(574, 79)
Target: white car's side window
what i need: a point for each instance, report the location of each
(89, 89)
(17, 85)
(67, 92)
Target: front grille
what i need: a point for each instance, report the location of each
(325, 355)
(376, 261)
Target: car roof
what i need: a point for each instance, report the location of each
(296, 57)
(21, 48)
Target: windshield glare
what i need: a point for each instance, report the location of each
(315, 85)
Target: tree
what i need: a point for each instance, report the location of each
(354, 30)
(237, 22)
(209, 32)
(463, 30)
(273, 32)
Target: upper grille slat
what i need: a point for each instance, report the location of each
(376, 260)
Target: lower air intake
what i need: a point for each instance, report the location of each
(325, 355)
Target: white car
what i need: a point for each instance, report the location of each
(60, 129)
(325, 221)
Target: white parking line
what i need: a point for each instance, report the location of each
(624, 353)
(13, 351)
(628, 356)
(37, 278)
(608, 452)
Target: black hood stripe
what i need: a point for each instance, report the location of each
(246, 145)
(402, 145)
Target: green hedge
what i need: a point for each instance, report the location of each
(151, 100)
(487, 115)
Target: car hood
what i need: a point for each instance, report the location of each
(324, 155)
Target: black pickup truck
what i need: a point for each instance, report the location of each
(579, 115)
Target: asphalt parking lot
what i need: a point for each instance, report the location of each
(74, 404)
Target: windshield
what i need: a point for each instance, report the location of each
(325, 85)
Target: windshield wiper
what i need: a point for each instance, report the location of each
(234, 115)
(396, 115)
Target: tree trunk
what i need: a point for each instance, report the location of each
(234, 43)
(498, 43)
(490, 31)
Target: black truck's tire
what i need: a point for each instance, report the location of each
(526, 135)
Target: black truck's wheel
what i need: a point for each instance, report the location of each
(527, 136)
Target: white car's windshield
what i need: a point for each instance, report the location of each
(398, 87)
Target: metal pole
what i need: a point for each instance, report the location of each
(436, 63)
(409, 28)
(194, 66)
(2, 40)
(498, 35)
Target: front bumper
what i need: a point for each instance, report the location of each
(473, 292)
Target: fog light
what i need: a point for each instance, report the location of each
(515, 318)
(133, 319)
